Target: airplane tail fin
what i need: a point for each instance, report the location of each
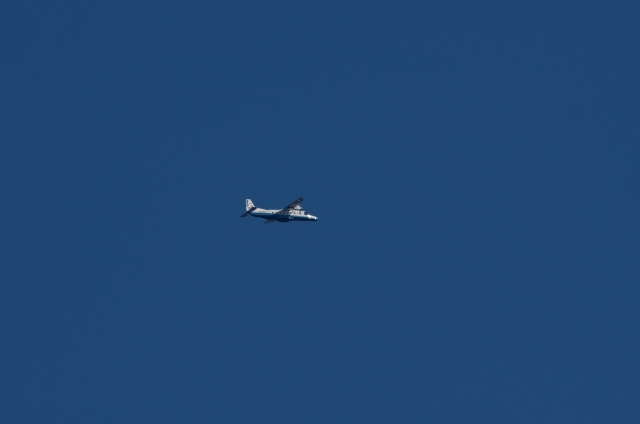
(250, 204)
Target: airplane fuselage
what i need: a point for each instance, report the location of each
(281, 217)
(291, 212)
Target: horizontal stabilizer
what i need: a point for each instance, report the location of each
(248, 212)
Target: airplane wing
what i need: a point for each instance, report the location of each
(294, 203)
(287, 209)
(269, 221)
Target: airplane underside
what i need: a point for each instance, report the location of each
(281, 218)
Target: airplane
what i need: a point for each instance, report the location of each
(291, 212)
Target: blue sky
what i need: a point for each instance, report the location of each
(475, 172)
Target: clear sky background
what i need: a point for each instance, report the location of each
(475, 169)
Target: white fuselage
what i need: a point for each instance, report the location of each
(272, 214)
